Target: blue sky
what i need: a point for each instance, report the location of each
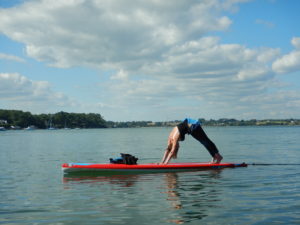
(151, 60)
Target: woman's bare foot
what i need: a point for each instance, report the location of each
(217, 158)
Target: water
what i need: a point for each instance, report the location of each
(33, 189)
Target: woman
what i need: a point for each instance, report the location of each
(192, 127)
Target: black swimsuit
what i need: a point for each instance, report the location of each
(198, 133)
(183, 129)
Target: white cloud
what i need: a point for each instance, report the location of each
(289, 62)
(296, 42)
(18, 91)
(252, 73)
(281, 104)
(207, 59)
(267, 55)
(109, 33)
(266, 23)
(160, 53)
(120, 75)
(11, 57)
(206, 75)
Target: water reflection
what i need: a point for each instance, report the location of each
(190, 195)
(121, 180)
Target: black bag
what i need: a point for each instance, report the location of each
(116, 160)
(125, 159)
(129, 159)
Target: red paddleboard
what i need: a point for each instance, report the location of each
(142, 168)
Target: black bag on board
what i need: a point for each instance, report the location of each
(125, 159)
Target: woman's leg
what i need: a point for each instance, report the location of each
(199, 134)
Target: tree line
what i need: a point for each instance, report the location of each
(20, 119)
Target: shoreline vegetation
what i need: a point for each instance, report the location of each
(17, 119)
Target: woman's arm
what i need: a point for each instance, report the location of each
(173, 145)
(171, 153)
(167, 151)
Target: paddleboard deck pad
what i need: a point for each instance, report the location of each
(144, 168)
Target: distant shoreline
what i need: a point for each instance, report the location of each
(210, 123)
(17, 119)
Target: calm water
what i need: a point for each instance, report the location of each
(33, 189)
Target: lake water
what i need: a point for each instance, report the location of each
(33, 189)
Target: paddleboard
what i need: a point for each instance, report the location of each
(145, 168)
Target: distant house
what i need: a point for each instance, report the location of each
(30, 128)
(3, 121)
(15, 127)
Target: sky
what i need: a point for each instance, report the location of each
(150, 59)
